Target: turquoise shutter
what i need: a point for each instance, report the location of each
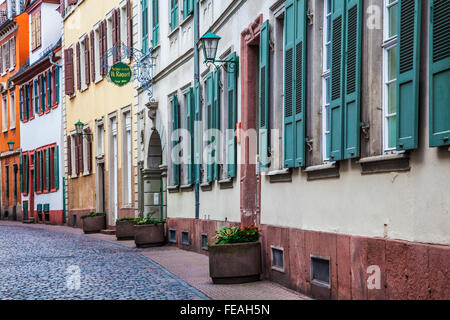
(408, 58)
(336, 114)
(57, 72)
(190, 128)
(209, 121)
(439, 73)
(27, 101)
(36, 96)
(144, 7)
(41, 165)
(289, 76)
(49, 88)
(42, 93)
(232, 120)
(155, 14)
(216, 122)
(264, 95)
(21, 103)
(198, 130)
(21, 173)
(56, 169)
(352, 110)
(26, 170)
(174, 14)
(300, 82)
(35, 170)
(47, 169)
(175, 127)
(188, 7)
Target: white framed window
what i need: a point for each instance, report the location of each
(73, 155)
(83, 63)
(12, 110)
(123, 24)
(5, 113)
(85, 147)
(326, 72)
(390, 76)
(127, 157)
(100, 138)
(109, 37)
(96, 52)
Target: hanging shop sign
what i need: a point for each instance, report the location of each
(120, 74)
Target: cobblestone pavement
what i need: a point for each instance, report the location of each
(43, 265)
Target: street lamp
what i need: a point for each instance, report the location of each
(210, 44)
(11, 145)
(79, 130)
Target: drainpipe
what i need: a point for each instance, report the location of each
(196, 82)
(50, 58)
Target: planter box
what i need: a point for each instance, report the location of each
(235, 263)
(125, 230)
(151, 235)
(94, 224)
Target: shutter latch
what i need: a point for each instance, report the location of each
(365, 127)
(310, 17)
(309, 144)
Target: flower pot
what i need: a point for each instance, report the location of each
(125, 230)
(149, 235)
(94, 224)
(235, 263)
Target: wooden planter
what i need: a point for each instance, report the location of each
(149, 235)
(235, 263)
(94, 224)
(125, 230)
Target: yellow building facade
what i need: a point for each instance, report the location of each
(99, 162)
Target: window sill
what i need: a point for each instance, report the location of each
(174, 31)
(207, 186)
(173, 189)
(280, 176)
(385, 163)
(226, 184)
(85, 174)
(97, 80)
(323, 171)
(187, 19)
(187, 188)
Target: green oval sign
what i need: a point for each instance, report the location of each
(120, 74)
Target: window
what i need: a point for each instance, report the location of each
(86, 152)
(12, 53)
(36, 31)
(83, 64)
(46, 169)
(277, 259)
(124, 27)
(7, 185)
(326, 49)
(320, 271)
(173, 14)
(155, 22)
(172, 235)
(109, 37)
(188, 8)
(100, 139)
(5, 113)
(12, 111)
(144, 16)
(95, 51)
(185, 238)
(127, 158)
(390, 76)
(175, 159)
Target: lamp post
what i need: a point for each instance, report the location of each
(80, 131)
(11, 145)
(210, 44)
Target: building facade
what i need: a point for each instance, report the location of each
(39, 83)
(13, 54)
(341, 153)
(99, 164)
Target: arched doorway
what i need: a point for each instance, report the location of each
(154, 180)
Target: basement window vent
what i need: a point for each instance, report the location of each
(277, 259)
(74, 220)
(205, 242)
(185, 238)
(172, 235)
(320, 271)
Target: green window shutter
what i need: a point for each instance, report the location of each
(49, 89)
(188, 8)
(289, 76)
(35, 166)
(300, 83)
(175, 127)
(144, 7)
(155, 14)
(36, 96)
(26, 170)
(336, 110)
(41, 165)
(56, 164)
(232, 120)
(439, 73)
(21, 173)
(190, 128)
(216, 122)
(408, 58)
(21, 103)
(174, 14)
(209, 123)
(42, 93)
(198, 130)
(57, 72)
(352, 110)
(47, 169)
(264, 95)
(27, 102)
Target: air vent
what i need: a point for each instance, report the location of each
(320, 271)
(277, 259)
(204, 242)
(172, 235)
(185, 238)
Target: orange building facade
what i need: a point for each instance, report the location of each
(14, 52)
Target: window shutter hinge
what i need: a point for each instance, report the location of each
(309, 144)
(365, 128)
(310, 17)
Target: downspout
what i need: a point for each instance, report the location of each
(196, 83)
(50, 58)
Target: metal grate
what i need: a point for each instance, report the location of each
(407, 13)
(172, 235)
(288, 82)
(336, 59)
(320, 271)
(352, 49)
(204, 242)
(185, 238)
(441, 26)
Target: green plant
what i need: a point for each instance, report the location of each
(127, 219)
(149, 220)
(229, 235)
(93, 215)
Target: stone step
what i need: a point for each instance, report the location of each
(109, 232)
(29, 221)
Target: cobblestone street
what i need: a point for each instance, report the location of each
(40, 264)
